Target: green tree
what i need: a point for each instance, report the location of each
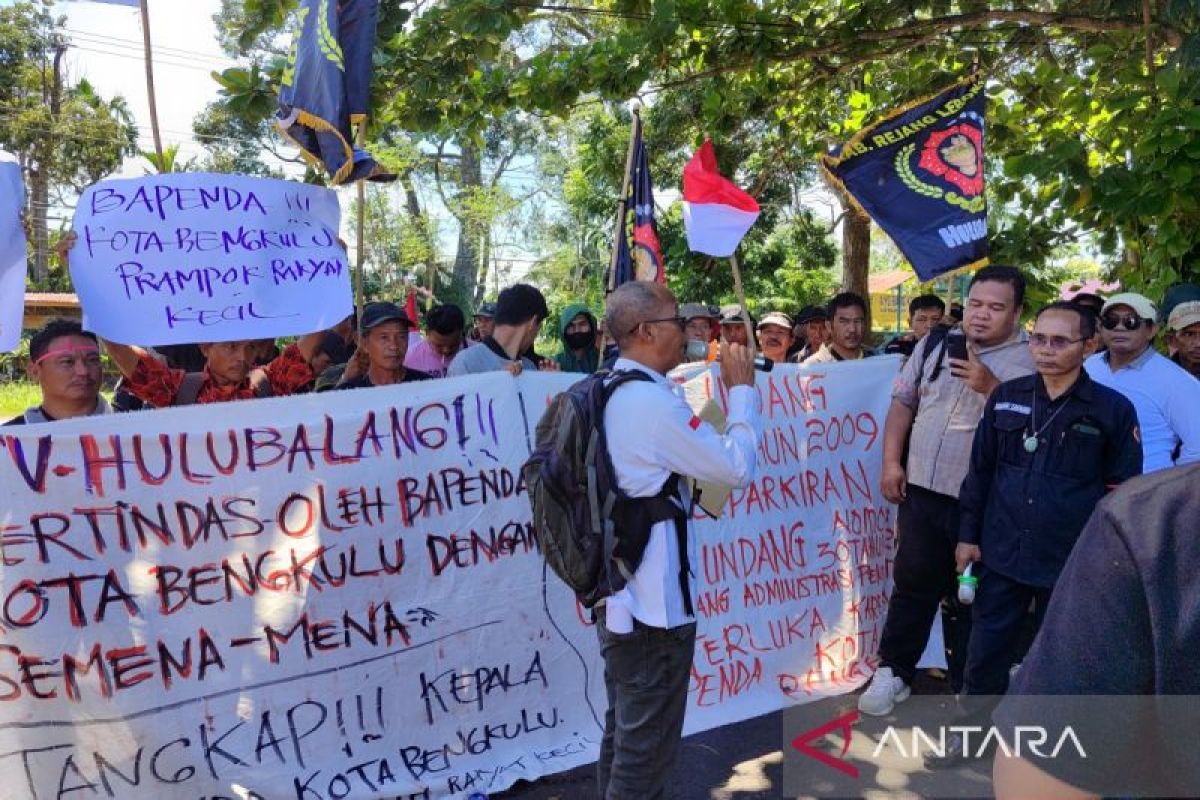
(235, 144)
(1093, 131)
(64, 134)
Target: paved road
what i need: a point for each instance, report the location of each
(744, 761)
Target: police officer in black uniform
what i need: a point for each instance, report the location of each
(1048, 448)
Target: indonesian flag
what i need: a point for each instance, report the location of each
(716, 213)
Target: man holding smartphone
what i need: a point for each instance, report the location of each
(937, 402)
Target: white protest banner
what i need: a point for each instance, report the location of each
(340, 596)
(200, 257)
(12, 253)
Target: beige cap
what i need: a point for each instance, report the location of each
(1184, 315)
(1139, 303)
(731, 313)
(776, 318)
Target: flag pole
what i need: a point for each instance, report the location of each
(741, 292)
(741, 296)
(362, 225)
(623, 205)
(144, 6)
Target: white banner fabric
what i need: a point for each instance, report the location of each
(341, 596)
(201, 257)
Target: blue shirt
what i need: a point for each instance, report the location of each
(1167, 400)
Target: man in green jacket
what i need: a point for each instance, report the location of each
(577, 328)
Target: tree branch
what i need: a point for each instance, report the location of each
(922, 32)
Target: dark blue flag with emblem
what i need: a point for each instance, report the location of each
(326, 86)
(918, 173)
(643, 260)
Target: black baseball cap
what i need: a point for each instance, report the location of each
(810, 314)
(486, 310)
(380, 312)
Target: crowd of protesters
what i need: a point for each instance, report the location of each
(1007, 427)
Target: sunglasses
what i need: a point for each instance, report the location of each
(680, 321)
(1130, 322)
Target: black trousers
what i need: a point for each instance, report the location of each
(924, 573)
(1001, 614)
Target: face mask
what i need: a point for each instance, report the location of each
(580, 339)
(696, 350)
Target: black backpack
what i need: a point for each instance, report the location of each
(591, 533)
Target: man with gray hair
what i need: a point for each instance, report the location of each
(647, 629)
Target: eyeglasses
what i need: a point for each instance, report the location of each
(680, 321)
(1130, 322)
(1056, 343)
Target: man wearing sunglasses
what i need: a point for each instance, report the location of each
(1048, 448)
(64, 361)
(1165, 396)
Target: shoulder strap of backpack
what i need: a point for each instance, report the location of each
(189, 389)
(936, 336)
(261, 383)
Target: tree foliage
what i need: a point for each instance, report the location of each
(1093, 134)
(64, 134)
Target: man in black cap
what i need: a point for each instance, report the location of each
(812, 322)
(485, 322)
(733, 325)
(382, 346)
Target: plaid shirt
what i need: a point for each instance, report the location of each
(157, 384)
(948, 412)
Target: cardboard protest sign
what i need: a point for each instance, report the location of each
(199, 257)
(12, 253)
(341, 596)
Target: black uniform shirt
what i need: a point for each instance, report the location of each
(1026, 509)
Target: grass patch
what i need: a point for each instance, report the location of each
(16, 396)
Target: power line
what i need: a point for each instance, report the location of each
(136, 44)
(160, 61)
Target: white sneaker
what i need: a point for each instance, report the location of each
(883, 693)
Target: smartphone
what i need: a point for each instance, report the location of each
(956, 346)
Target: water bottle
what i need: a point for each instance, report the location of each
(966, 585)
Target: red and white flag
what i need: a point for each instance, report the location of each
(716, 213)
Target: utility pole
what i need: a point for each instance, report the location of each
(158, 148)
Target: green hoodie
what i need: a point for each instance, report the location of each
(566, 359)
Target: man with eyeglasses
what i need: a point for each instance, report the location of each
(64, 361)
(647, 629)
(1048, 448)
(1165, 396)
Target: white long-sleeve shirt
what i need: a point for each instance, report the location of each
(652, 433)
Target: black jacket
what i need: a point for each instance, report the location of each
(1025, 510)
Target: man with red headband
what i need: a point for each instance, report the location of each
(64, 360)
